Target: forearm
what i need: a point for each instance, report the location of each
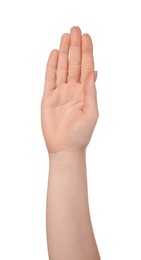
(69, 230)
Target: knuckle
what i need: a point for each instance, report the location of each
(86, 67)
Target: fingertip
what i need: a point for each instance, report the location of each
(75, 33)
(54, 52)
(65, 36)
(75, 28)
(87, 45)
(86, 36)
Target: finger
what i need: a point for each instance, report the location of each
(90, 96)
(95, 75)
(75, 54)
(87, 64)
(62, 69)
(50, 75)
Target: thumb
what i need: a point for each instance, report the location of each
(90, 95)
(95, 74)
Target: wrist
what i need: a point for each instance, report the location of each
(67, 155)
(66, 159)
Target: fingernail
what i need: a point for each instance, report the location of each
(95, 75)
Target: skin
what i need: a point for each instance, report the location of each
(69, 113)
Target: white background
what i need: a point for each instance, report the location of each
(28, 31)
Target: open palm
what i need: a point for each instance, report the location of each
(69, 107)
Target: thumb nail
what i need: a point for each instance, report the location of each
(95, 75)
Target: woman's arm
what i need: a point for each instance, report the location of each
(69, 115)
(69, 230)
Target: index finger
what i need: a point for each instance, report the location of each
(87, 64)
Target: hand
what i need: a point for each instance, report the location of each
(69, 109)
